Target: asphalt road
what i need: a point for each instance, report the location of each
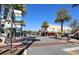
(51, 49)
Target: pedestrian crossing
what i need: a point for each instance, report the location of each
(72, 50)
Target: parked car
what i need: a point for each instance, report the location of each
(76, 35)
(71, 35)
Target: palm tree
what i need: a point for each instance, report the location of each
(61, 17)
(0, 17)
(12, 7)
(20, 7)
(74, 25)
(75, 5)
(17, 7)
(22, 23)
(45, 25)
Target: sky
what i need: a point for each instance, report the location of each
(38, 13)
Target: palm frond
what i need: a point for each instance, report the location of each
(75, 5)
(62, 15)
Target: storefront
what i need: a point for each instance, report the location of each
(53, 30)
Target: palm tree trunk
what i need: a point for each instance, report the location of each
(0, 17)
(61, 29)
(11, 28)
(14, 34)
(21, 31)
(11, 36)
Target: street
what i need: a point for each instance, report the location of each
(51, 46)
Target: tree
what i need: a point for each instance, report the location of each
(75, 5)
(20, 7)
(30, 32)
(74, 25)
(21, 24)
(45, 25)
(12, 7)
(61, 17)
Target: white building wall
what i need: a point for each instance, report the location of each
(54, 28)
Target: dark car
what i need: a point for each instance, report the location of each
(76, 35)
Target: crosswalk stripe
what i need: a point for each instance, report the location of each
(71, 49)
(73, 53)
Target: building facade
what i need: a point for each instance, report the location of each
(55, 29)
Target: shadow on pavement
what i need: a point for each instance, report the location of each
(28, 41)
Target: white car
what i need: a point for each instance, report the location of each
(71, 35)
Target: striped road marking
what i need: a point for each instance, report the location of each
(73, 53)
(72, 50)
